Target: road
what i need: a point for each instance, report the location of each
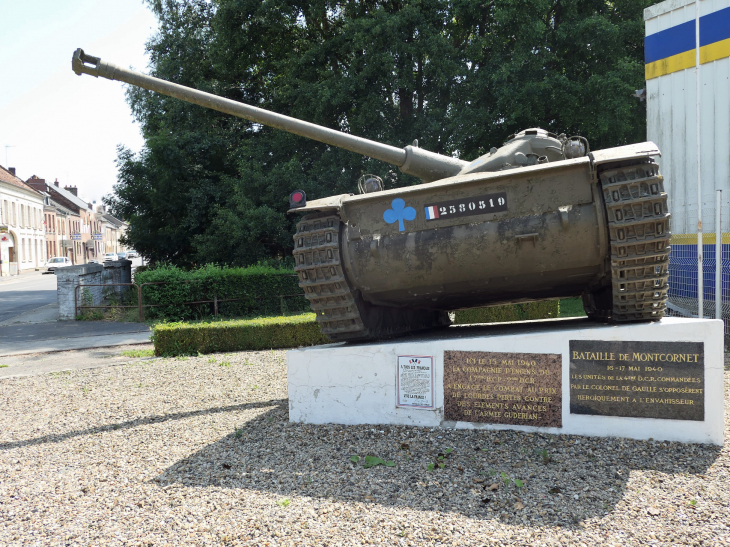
(23, 339)
(30, 291)
(25, 293)
(29, 320)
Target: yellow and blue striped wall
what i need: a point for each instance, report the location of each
(673, 49)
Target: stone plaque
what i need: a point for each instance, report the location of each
(638, 379)
(503, 388)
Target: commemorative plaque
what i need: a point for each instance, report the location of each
(414, 382)
(638, 379)
(503, 388)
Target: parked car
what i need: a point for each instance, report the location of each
(93, 261)
(122, 255)
(132, 254)
(56, 262)
(110, 257)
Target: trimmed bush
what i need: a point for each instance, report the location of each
(544, 309)
(237, 335)
(254, 291)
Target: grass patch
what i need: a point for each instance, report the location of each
(138, 353)
(237, 335)
(571, 307)
(544, 309)
(4, 366)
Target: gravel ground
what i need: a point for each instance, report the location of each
(199, 451)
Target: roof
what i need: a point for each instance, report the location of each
(60, 208)
(7, 177)
(80, 203)
(114, 220)
(51, 188)
(667, 6)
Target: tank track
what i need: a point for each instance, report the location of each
(317, 257)
(341, 312)
(639, 233)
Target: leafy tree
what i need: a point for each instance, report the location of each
(460, 76)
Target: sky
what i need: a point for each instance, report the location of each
(53, 123)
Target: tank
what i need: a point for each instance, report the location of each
(541, 217)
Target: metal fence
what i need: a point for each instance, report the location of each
(132, 294)
(684, 265)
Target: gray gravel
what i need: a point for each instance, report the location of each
(199, 451)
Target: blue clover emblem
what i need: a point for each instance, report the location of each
(398, 213)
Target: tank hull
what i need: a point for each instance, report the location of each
(547, 241)
(395, 261)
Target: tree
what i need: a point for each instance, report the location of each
(460, 76)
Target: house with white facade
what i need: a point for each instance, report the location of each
(22, 229)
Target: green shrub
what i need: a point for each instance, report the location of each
(512, 312)
(237, 335)
(252, 291)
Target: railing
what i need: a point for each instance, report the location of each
(141, 305)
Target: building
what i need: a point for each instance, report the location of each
(115, 229)
(22, 232)
(74, 220)
(21, 224)
(58, 222)
(673, 105)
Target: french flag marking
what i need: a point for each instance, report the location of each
(432, 212)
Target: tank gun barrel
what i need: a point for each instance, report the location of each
(411, 160)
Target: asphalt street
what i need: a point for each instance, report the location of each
(68, 335)
(29, 320)
(25, 293)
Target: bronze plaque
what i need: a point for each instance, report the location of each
(638, 379)
(503, 388)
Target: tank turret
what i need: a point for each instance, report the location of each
(540, 217)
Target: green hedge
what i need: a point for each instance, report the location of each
(513, 312)
(572, 307)
(183, 338)
(256, 291)
(237, 335)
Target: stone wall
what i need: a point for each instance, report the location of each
(69, 278)
(111, 273)
(118, 271)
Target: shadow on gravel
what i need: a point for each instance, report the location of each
(138, 422)
(564, 479)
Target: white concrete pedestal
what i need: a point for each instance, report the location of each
(356, 383)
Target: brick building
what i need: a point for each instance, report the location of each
(73, 220)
